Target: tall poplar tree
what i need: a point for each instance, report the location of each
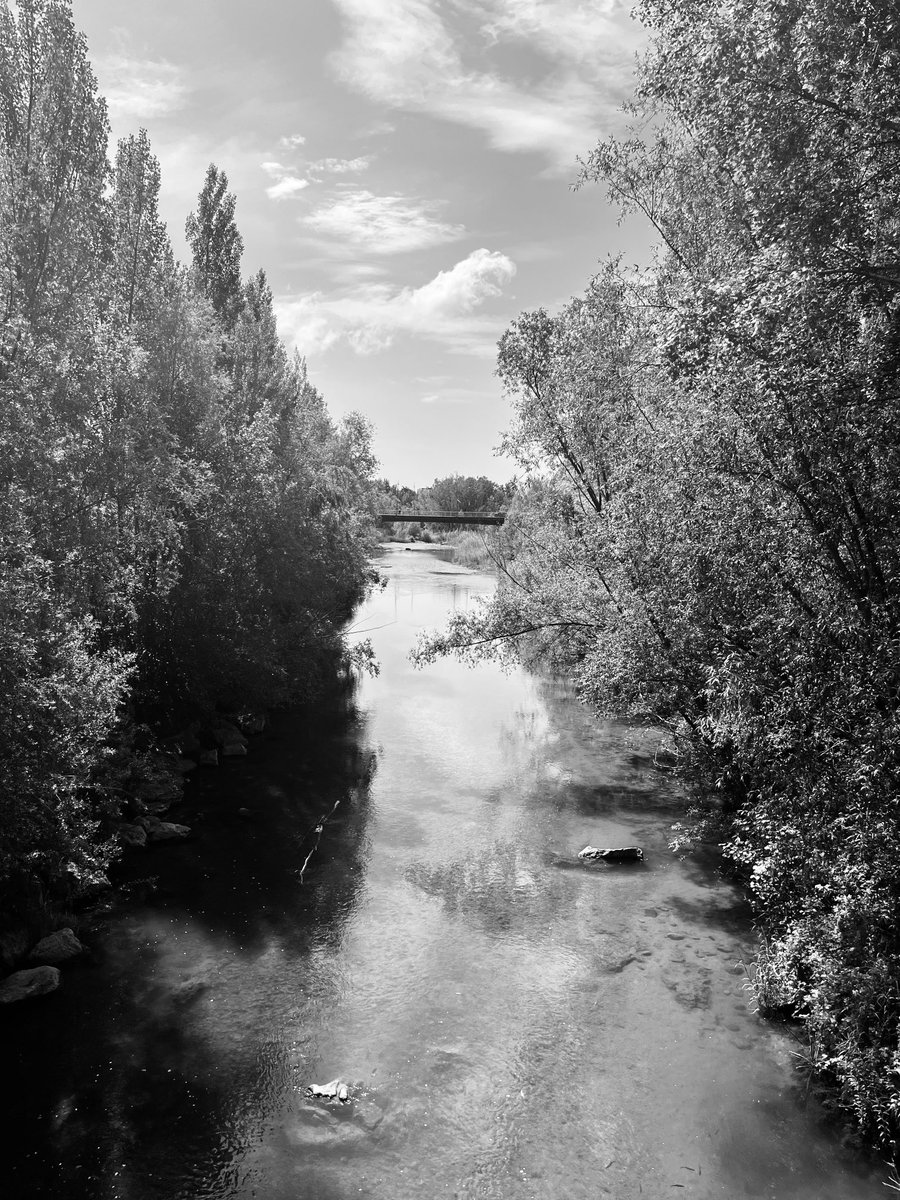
(216, 246)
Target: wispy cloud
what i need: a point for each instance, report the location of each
(286, 184)
(407, 54)
(366, 223)
(140, 89)
(446, 309)
(292, 141)
(339, 166)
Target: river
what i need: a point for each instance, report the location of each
(401, 908)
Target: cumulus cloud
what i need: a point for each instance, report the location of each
(446, 309)
(292, 141)
(138, 89)
(366, 223)
(408, 54)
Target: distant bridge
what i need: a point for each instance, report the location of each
(444, 518)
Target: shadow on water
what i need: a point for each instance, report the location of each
(153, 1068)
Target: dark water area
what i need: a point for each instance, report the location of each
(403, 909)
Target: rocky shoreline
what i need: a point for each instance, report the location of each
(41, 938)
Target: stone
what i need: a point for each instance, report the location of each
(132, 836)
(163, 831)
(250, 722)
(25, 985)
(56, 947)
(225, 734)
(620, 854)
(168, 831)
(209, 758)
(336, 1090)
(234, 750)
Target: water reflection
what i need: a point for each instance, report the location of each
(514, 1025)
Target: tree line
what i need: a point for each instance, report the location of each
(450, 493)
(709, 532)
(182, 525)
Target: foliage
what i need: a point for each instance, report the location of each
(711, 536)
(184, 526)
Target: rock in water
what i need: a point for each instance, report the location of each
(134, 836)
(24, 985)
(619, 854)
(336, 1090)
(57, 948)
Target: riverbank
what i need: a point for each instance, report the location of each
(403, 911)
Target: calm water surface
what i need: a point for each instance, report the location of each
(402, 910)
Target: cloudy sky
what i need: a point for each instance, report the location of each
(403, 173)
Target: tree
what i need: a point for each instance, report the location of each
(141, 247)
(217, 246)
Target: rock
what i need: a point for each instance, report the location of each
(57, 947)
(209, 758)
(169, 831)
(234, 750)
(163, 831)
(336, 1090)
(619, 854)
(24, 985)
(250, 723)
(133, 836)
(225, 734)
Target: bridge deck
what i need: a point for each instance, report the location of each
(445, 518)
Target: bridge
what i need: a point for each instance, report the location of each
(444, 518)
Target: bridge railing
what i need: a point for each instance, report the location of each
(444, 518)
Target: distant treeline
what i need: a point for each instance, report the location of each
(181, 523)
(711, 535)
(452, 493)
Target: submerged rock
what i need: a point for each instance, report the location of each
(25, 985)
(57, 947)
(619, 854)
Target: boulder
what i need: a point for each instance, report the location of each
(56, 947)
(619, 854)
(225, 734)
(163, 831)
(133, 836)
(24, 985)
(208, 758)
(234, 750)
(336, 1090)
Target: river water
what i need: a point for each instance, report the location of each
(402, 909)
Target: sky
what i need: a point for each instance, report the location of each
(403, 172)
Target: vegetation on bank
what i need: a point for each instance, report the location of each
(182, 525)
(710, 530)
